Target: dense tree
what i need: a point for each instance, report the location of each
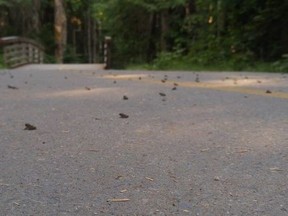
(20, 17)
(199, 31)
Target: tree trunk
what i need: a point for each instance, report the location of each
(36, 23)
(151, 54)
(89, 37)
(190, 7)
(95, 39)
(60, 27)
(221, 17)
(164, 30)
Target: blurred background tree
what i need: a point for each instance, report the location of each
(163, 34)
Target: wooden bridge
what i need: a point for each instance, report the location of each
(19, 51)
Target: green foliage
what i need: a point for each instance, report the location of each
(166, 60)
(5, 3)
(239, 43)
(49, 59)
(99, 10)
(165, 34)
(46, 37)
(128, 26)
(70, 56)
(75, 5)
(282, 64)
(188, 64)
(134, 29)
(157, 5)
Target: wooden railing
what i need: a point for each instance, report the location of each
(19, 51)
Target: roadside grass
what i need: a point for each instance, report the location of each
(179, 63)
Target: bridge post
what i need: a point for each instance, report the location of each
(107, 52)
(36, 56)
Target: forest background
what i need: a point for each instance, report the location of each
(218, 35)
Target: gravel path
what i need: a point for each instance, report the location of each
(142, 143)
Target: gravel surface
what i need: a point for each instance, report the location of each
(178, 143)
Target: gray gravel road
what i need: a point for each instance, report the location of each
(216, 145)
